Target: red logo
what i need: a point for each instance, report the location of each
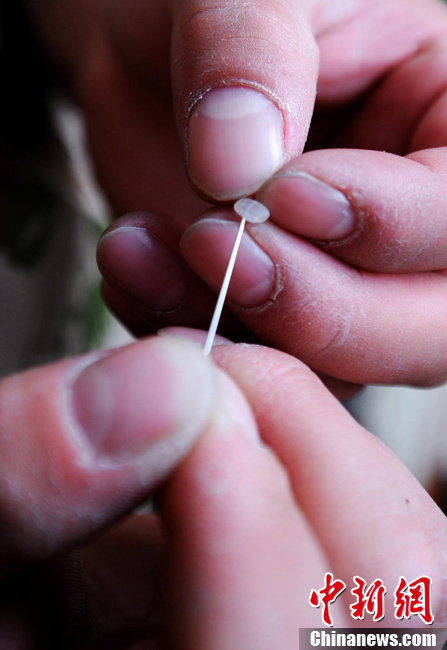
(326, 596)
(410, 599)
(371, 600)
(414, 598)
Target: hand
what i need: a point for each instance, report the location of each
(138, 71)
(366, 302)
(242, 534)
(82, 443)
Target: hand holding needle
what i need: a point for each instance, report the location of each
(253, 212)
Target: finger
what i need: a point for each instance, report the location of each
(140, 321)
(149, 286)
(396, 70)
(377, 211)
(83, 441)
(244, 79)
(383, 35)
(242, 558)
(342, 390)
(357, 326)
(414, 90)
(371, 516)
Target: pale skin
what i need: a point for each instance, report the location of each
(245, 529)
(369, 308)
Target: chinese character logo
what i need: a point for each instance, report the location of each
(410, 599)
(326, 596)
(414, 598)
(371, 600)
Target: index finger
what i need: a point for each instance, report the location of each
(377, 211)
(371, 516)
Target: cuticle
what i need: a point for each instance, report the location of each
(120, 229)
(238, 83)
(286, 173)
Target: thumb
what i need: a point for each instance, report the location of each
(244, 80)
(83, 441)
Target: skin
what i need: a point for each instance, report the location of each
(376, 134)
(115, 61)
(249, 519)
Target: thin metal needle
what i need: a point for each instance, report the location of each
(223, 291)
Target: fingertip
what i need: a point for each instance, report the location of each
(141, 265)
(126, 404)
(308, 206)
(244, 79)
(207, 247)
(88, 439)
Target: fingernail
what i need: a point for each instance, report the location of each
(235, 142)
(125, 403)
(141, 265)
(307, 206)
(207, 247)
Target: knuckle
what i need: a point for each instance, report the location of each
(220, 41)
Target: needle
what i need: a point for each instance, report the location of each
(253, 212)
